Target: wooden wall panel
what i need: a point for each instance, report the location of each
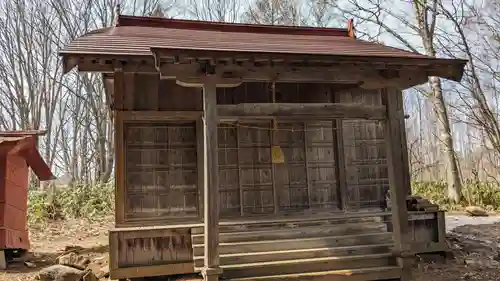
(146, 92)
(154, 247)
(174, 97)
(365, 155)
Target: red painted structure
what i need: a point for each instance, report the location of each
(18, 151)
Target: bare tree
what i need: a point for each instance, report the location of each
(214, 10)
(274, 12)
(421, 22)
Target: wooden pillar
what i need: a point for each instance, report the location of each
(209, 83)
(120, 200)
(341, 168)
(3, 260)
(406, 163)
(211, 268)
(397, 182)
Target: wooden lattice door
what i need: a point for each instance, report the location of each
(251, 184)
(161, 170)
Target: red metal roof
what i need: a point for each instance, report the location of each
(23, 133)
(229, 27)
(24, 144)
(137, 35)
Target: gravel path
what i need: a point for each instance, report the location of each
(453, 221)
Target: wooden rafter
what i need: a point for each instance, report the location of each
(255, 64)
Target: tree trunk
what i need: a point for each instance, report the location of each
(446, 141)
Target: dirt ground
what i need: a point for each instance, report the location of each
(476, 254)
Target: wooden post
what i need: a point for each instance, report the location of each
(397, 182)
(120, 192)
(3, 260)
(341, 168)
(406, 163)
(211, 268)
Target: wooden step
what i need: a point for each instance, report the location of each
(275, 225)
(297, 232)
(306, 265)
(362, 274)
(241, 258)
(298, 243)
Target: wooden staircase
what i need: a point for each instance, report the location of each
(324, 249)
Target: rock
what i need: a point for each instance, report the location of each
(60, 272)
(73, 260)
(89, 276)
(103, 272)
(73, 249)
(99, 270)
(476, 211)
(29, 264)
(482, 263)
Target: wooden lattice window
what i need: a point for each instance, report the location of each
(161, 170)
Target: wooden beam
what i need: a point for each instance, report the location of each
(236, 73)
(152, 270)
(446, 68)
(398, 190)
(199, 82)
(211, 268)
(161, 115)
(119, 89)
(327, 110)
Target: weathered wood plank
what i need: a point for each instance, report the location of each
(240, 176)
(319, 110)
(119, 89)
(299, 243)
(340, 169)
(152, 270)
(300, 254)
(161, 115)
(296, 232)
(130, 91)
(377, 273)
(307, 146)
(200, 165)
(306, 265)
(150, 252)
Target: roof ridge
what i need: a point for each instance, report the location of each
(13, 133)
(143, 21)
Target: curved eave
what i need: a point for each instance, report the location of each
(451, 69)
(70, 60)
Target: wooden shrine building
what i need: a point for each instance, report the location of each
(251, 152)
